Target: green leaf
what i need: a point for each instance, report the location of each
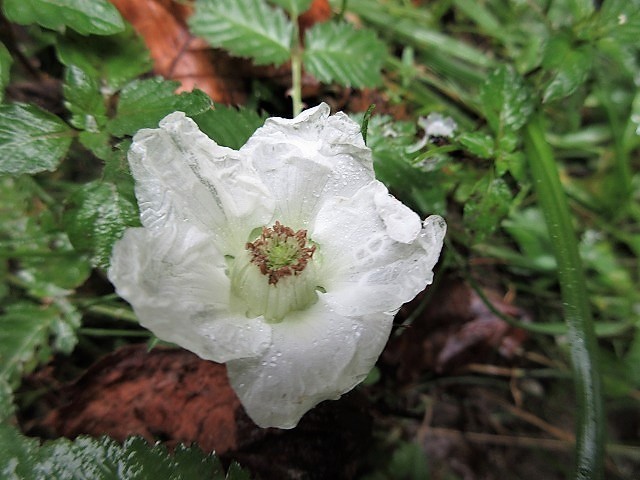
(104, 459)
(6, 400)
(111, 61)
(478, 144)
(294, 7)
(5, 69)
(620, 19)
(506, 101)
(246, 28)
(569, 66)
(143, 103)
(84, 100)
(409, 462)
(96, 218)
(31, 140)
(228, 126)
(95, 17)
(392, 144)
(487, 206)
(590, 424)
(24, 338)
(513, 162)
(338, 52)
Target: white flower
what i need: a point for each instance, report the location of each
(286, 259)
(436, 125)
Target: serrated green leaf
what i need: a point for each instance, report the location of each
(246, 28)
(236, 472)
(487, 207)
(48, 262)
(95, 17)
(84, 100)
(506, 101)
(513, 162)
(34, 240)
(110, 61)
(96, 218)
(294, 7)
(228, 126)
(31, 140)
(620, 19)
(103, 459)
(569, 66)
(5, 68)
(6, 400)
(143, 103)
(478, 144)
(391, 143)
(338, 52)
(24, 336)
(409, 462)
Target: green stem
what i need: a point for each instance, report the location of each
(296, 70)
(117, 313)
(553, 202)
(109, 332)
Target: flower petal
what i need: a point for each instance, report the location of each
(315, 355)
(381, 256)
(178, 288)
(306, 159)
(182, 175)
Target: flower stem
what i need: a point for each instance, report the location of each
(553, 202)
(296, 70)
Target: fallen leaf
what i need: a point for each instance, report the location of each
(178, 55)
(456, 328)
(166, 394)
(173, 396)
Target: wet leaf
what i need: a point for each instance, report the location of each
(246, 28)
(84, 100)
(569, 66)
(96, 218)
(102, 459)
(620, 19)
(31, 140)
(96, 17)
(5, 67)
(337, 52)
(506, 101)
(113, 60)
(143, 103)
(24, 339)
(488, 205)
(294, 7)
(229, 126)
(478, 144)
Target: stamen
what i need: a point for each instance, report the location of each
(280, 252)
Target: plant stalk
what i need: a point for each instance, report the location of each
(296, 70)
(577, 312)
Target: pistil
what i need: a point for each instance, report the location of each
(280, 252)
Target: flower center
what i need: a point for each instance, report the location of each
(280, 252)
(275, 274)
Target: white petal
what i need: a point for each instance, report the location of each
(178, 288)
(182, 175)
(308, 158)
(315, 355)
(376, 253)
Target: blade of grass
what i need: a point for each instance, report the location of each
(577, 313)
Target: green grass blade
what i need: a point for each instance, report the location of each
(552, 200)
